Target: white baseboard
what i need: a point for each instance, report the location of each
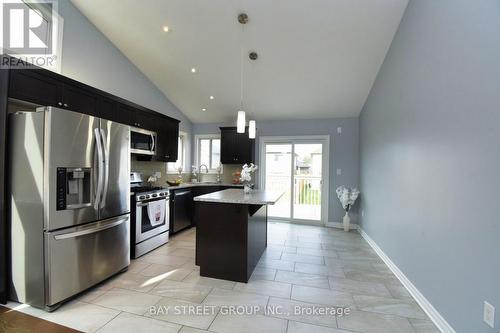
(433, 314)
(340, 225)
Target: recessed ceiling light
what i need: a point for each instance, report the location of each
(212, 97)
(193, 70)
(166, 28)
(203, 109)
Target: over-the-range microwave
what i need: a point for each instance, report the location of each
(142, 142)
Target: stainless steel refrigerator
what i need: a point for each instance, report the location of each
(69, 204)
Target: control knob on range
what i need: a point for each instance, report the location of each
(142, 197)
(154, 195)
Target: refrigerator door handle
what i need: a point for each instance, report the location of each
(90, 230)
(100, 175)
(106, 169)
(153, 143)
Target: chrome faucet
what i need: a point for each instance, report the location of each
(199, 171)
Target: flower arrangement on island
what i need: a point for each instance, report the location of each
(347, 197)
(246, 176)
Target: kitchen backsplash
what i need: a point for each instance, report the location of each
(149, 168)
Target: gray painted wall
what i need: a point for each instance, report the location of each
(89, 57)
(344, 151)
(430, 156)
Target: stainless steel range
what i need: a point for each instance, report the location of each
(150, 216)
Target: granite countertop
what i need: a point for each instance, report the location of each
(188, 185)
(237, 196)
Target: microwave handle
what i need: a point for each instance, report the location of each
(153, 143)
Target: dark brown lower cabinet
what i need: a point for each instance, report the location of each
(182, 207)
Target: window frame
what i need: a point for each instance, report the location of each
(197, 139)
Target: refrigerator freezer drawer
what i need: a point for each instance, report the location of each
(78, 258)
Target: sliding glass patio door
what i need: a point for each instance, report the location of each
(295, 167)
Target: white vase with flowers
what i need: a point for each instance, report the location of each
(246, 176)
(347, 197)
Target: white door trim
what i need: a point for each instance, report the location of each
(323, 139)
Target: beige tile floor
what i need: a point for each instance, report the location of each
(303, 267)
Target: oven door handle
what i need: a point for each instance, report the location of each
(145, 204)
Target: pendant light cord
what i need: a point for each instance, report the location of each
(241, 67)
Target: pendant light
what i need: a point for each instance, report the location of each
(252, 125)
(251, 129)
(241, 121)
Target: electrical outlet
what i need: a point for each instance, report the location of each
(339, 130)
(339, 172)
(157, 174)
(489, 314)
(363, 213)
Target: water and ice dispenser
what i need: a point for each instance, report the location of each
(74, 188)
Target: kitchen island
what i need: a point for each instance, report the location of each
(231, 232)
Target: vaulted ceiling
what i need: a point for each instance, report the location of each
(317, 58)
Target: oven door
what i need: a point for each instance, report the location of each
(150, 220)
(142, 142)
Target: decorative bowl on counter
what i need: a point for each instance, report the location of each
(174, 183)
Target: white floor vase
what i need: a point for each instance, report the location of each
(347, 221)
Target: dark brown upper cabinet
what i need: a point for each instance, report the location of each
(47, 88)
(236, 148)
(167, 144)
(79, 100)
(39, 87)
(127, 115)
(35, 87)
(108, 109)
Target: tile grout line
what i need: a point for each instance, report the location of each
(212, 322)
(101, 327)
